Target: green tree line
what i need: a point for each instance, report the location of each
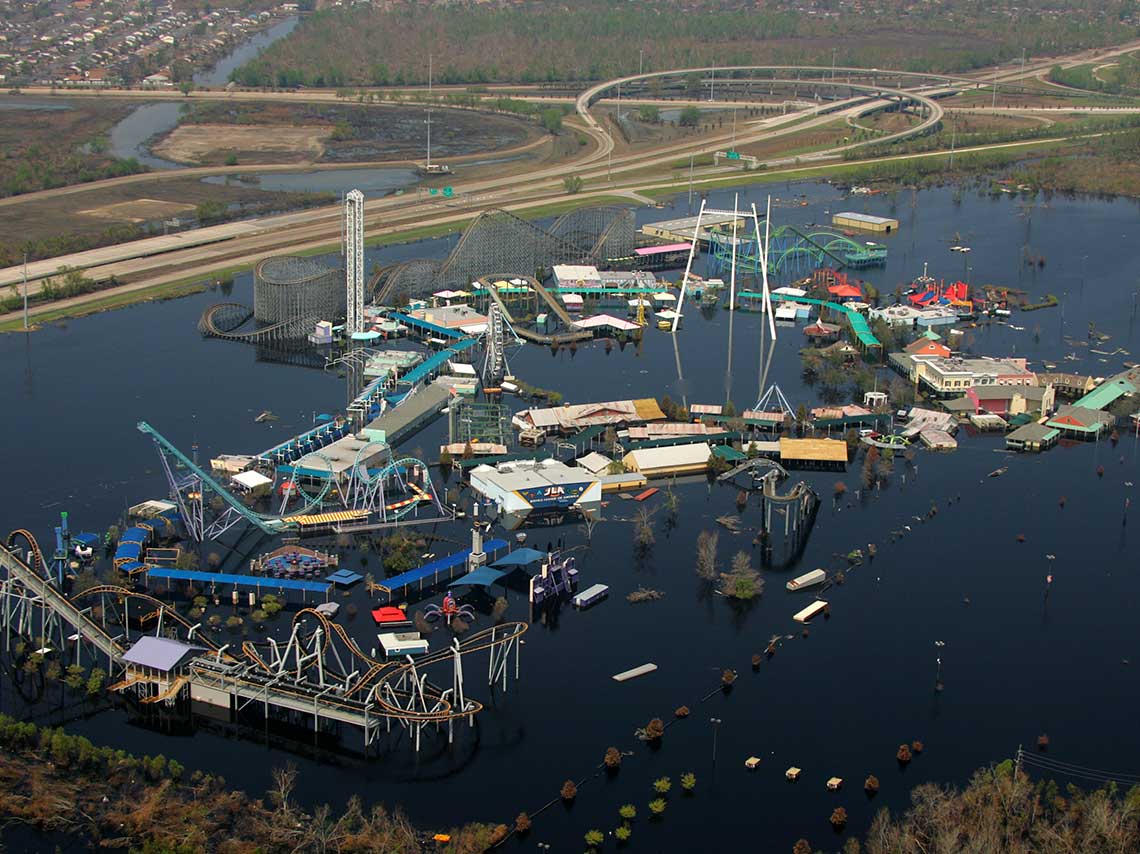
(593, 39)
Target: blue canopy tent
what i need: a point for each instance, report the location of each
(484, 576)
(520, 557)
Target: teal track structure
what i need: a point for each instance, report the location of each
(791, 252)
(189, 490)
(859, 325)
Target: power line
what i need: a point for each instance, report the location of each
(1043, 763)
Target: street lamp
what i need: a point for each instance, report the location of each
(716, 723)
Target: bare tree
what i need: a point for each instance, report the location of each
(643, 535)
(706, 555)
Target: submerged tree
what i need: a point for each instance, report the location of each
(643, 536)
(706, 555)
(742, 581)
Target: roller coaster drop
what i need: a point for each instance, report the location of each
(384, 494)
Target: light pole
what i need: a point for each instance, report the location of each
(640, 61)
(25, 291)
(716, 723)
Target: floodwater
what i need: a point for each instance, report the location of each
(129, 137)
(372, 182)
(1015, 662)
(219, 75)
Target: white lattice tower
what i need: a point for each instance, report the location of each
(354, 261)
(494, 365)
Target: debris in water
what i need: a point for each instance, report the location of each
(644, 594)
(732, 523)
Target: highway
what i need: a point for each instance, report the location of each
(250, 240)
(160, 260)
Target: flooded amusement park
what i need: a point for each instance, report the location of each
(516, 497)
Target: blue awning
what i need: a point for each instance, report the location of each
(344, 577)
(520, 557)
(484, 576)
(87, 538)
(239, 580)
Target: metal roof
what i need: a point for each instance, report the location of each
(867, 218)
(159, 653)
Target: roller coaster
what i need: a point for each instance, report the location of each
(499, 240)
(792, 253)
(228, 321)
(318, 671)
(386, 494)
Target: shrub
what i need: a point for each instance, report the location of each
(569, 791)
(838, 817)
(654, 729)
(657, 806)
(594, 838)
(628, 812)
(623, 833)
(662, 785)
(688, 781)
(903, 754)
(871, 784)
(612, 759)
(682, 712)
(916, 747)
(522, 823)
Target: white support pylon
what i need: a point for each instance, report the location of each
(354, 261)
(688, 266)
(732, 272)
(763, 248)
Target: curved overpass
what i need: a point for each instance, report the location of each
(934, 110)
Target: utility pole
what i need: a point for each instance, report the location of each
(833, 51)
(734, 128)
(716, 723)
(641, 61)
(690, 183)
(712, 84)
(993, 104)
(953, 139)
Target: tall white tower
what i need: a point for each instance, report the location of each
(354, 260)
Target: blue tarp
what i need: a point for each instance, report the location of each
(484, 576)
(240, 580)
(520, 557)
(435, 567)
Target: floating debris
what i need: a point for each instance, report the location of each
(644, 594)
(732, 523)
(998, 472)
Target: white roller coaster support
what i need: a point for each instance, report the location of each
(764, 262)
(688, 266)
(732, 271)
